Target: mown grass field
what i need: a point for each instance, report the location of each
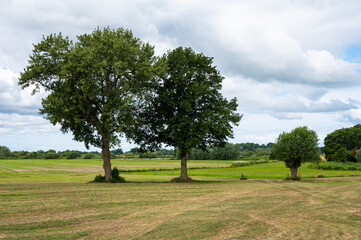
(52, 199)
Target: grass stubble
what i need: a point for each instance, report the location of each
(253, 209)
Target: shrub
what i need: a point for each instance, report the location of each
(336, 166)
(177, 179)
(115, 177)
(243, 177)
(297, 178)
(99, 178)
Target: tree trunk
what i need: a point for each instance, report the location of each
(106, 160)
(184, 174)
(293, 172)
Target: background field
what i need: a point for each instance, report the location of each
(52, 199)
(84, 170)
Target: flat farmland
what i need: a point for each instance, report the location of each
(53, 199)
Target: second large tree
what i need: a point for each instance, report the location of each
(187, 110)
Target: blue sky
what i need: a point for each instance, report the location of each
(289, 63)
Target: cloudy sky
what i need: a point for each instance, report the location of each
(289, 63)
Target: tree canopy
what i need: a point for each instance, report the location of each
(187, 110)
(297, 147)
(341, 145)
(95, 84)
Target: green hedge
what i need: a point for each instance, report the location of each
(336, 166)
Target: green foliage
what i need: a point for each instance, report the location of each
(346, 166)
(71, 154)
(117, 151)
(178, 179)
(341, 155)
(227, 152)
(263, 151)
(95, 84)
(89, 156)
(254, 146)
(358, 155)
(298, 178)
(243, 177)
(4, 152)
(99, 178)
(246, 153)
(297, 147)
(188, 110)
(115, 177)
(51, 155)
(340, 140)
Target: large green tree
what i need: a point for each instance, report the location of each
(187, 110)
(297, 147)
(95, 84)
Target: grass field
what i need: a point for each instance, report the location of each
(81, 170)
(52, 199)
(254, 209)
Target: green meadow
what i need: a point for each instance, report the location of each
(54, 199)
(84, 170)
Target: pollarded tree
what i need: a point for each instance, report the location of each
(187, 110)
(94, 84)
(297, 147)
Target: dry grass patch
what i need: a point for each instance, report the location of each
(265, 209)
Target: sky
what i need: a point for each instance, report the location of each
(289, 63)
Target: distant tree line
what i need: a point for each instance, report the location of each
(228, 152)
(49, 154)
(342, 145)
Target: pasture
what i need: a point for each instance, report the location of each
(53, 199)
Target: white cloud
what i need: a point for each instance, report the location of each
(282, 100)
(13, 99)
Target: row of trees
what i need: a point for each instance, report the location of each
(49, 154)
(228, 152)
(110, 84)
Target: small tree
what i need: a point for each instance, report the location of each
(188, 110)
(4, 152)
(297, 147)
